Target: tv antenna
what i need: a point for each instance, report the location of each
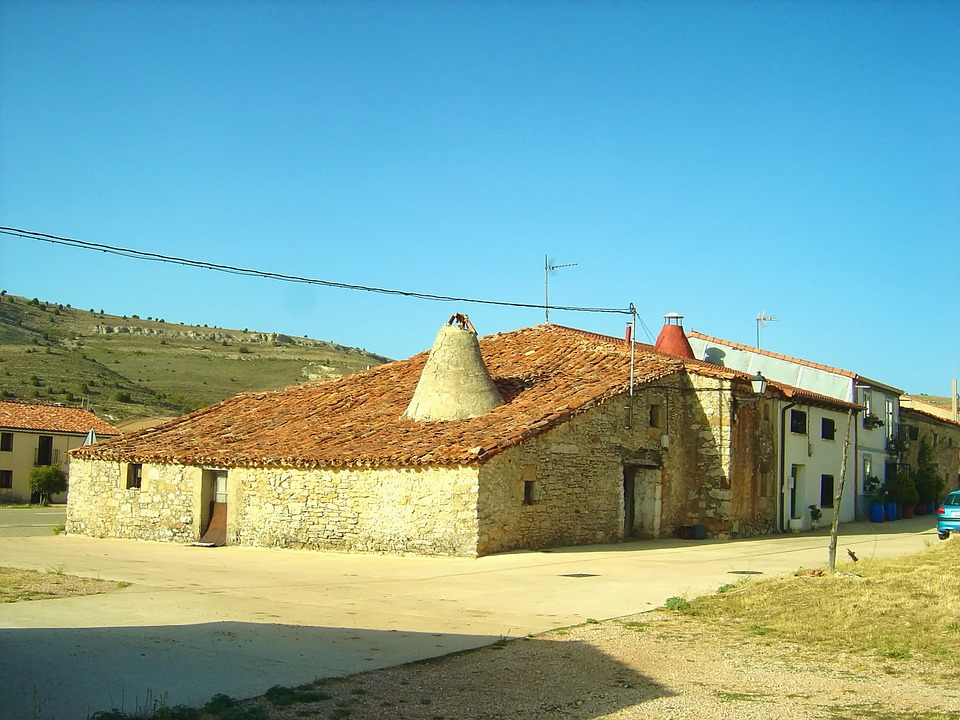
(762, 320)
(547, 267)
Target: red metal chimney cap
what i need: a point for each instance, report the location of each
(672, 339)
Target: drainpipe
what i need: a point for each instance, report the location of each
(857, 467)
(783, 449)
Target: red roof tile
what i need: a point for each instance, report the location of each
(546, 374)
(52, 418)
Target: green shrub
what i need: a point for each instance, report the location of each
(677, 604)
(47, 480)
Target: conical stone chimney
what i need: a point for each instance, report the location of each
(454, 384)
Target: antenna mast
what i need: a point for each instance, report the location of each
(547, 267)
(763, 319)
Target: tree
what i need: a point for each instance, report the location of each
(47, 480)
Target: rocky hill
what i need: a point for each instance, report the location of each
(128, 368)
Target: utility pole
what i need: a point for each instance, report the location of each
(832, 545)
(547, 267)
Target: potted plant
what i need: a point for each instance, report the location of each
(928, 482)
(873, 488)
(815, 515)
(796, 524)
(903, 491)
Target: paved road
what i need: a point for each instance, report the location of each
(31, 521)
(200, 621)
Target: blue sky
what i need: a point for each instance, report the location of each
(712, 159)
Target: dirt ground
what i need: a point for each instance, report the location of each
(17, 585)
(654, 665)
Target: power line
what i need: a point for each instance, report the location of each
(204, 265)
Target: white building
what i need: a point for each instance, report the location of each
(873, 435)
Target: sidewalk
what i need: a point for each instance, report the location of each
(199, 621)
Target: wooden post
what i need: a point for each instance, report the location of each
(832, 552)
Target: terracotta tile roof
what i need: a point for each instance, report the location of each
(927, 413)
(546, 375)
(813, 398)
(52, 418)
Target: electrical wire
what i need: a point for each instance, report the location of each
(204, 265)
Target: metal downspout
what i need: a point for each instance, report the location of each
(783, 449)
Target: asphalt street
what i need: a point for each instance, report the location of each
(28, 521)
(200, 621)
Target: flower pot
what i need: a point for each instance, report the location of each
(891, 510)
(876, 512)
(796, 525)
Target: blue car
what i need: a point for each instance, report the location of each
(948, 516)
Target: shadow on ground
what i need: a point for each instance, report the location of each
(69, 673)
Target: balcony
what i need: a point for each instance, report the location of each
(42, 456)
(899, 437)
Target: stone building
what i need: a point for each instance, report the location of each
(526, 439)
(920, 424)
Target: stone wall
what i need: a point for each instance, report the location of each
(691, 466)
(575, 494)
(162, 509)
(943, 436)
(425, 511)
(430, 511)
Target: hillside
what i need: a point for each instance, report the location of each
(127, 368)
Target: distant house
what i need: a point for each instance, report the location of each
(34, 434)
(872, 436)
(921, 423)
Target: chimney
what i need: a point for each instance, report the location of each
(672, 339)
(454, 384)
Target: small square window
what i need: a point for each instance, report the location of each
(656, 416)
(798, 422)
(531, 492)
(134, 476)
(828, 429)
(6, 442)
(6, 479)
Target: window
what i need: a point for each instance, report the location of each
(828, 429)
(656, 416)
(798, 422)
(220, 489)
(888, 418)
(531, 492)
(826, 491)
(6, 442)
(134, 476)
(6, 479)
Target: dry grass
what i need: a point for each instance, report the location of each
(17, 585)
(904, 608)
